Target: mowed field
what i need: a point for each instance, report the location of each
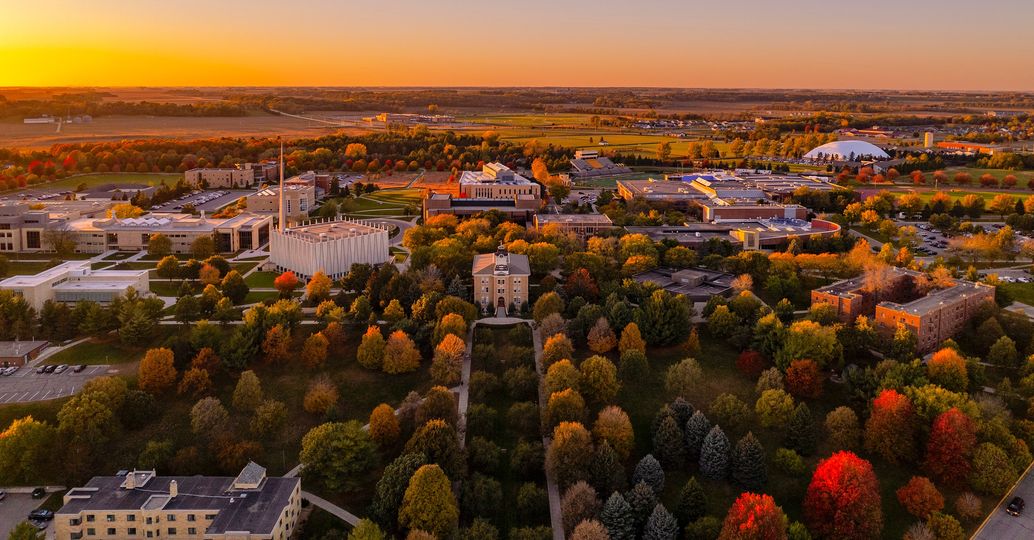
(100, 179)
(13, 133)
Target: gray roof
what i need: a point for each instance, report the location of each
(485, 264)
(11, 349)
(253, 510)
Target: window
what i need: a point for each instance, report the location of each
(91, 532)
(209, 516)
(149, 521)
(90, 518)
(131, 517)
(131, 531)
(110, 518)
(191, 530)
(111, 531)
(170, 517)
(149, 534)
(172, 531)
(191, 517)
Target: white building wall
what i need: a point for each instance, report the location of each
(334, 256)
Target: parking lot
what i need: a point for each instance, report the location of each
(209, 201)
(27, 385)
(13, 510)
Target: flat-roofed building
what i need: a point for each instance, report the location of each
(496, 181)
(19, 353)
(898, 297)
(520, 208)
(501, 280)
(141, 504)
(298, 200)
(264, 171)
(675, 192)
(220, 178)
(697, 284)
(243, 231)
(589, 163)
(583, 225)
(331, 246)
(718, 210)
(76, 281)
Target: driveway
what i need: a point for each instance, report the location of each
(1002, 526)
(27, 385)
(14, 509)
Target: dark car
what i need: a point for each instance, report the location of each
(41, 515)
(1015, 506)
(51, 368)
(39, 524)
(39, 493)
(79, 368)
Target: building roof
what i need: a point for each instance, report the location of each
(82, 269)
(252, 510)
(573, 218)
(331, 229)
(847, 150)
(12, 349)
(484, 264)
(491, 174)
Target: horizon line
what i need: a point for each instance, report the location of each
(542, 87)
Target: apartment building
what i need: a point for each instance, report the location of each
(501, 279)
(141, 504)
(933, 315)
(298, 200)
(220, 178)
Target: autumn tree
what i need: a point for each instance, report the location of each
(248, 393)
(157, 372)
(948, 368)
(370, 353)
(920, 497)
(992, 472)
(890, 429)
(565, 406)
(843, 429)
(321, 397)
(568, 457)
(804, 379)
(314, 350)
(286, 283)
(447, 364)
(556, 348)
(950, 446)
(277, 345)
(682, 378)
(208, 417)
(578, 503)
(774, 408)
(159, 245)
(195, 383)
(384, 426)
(599, 379)
(843, 499)
(754, 517)
(601, 338)
(613, 426)
(317, 289)
(451, 323)
(631, 339)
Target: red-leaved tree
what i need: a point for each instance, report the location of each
(843, 499)
(948, 450)
(890, 430)
(920, 497)
(804, 379)
(751, 363)
(754, 517)
(286, 283)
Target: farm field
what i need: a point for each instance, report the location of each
(100, 179)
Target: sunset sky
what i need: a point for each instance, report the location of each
(906, 44)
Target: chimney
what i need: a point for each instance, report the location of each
(130, 482)
(174, 489)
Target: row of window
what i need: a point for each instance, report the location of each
(131, 531)
(110, 518)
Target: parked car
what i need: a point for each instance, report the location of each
(38, 523)
(61, 368)
(39, 493)
(41, 369)
(41, 515)
(51, 368)
(79, 368)
(3, 494)
(1015, 506)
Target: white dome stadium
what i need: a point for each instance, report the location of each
(847, 151)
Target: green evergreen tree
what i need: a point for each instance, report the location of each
(714, 455)
(669, 444)
(617, 518)
(692, 502)
(696, 430)
(748, 463)
(661, 525)
(642, 499)
(606, 472)
(649, 471)
(800, 434)
(682, 410)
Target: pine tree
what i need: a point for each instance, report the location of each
(658, 419)
(642, 500)
(714, 455)
(649, 471)
(682, 410)
(800, 434)
(696, 430)
(605, 472)
(692, 502)
(748, 463)
(661, 525)
(617, 518)
(669, 444)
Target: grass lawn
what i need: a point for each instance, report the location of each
(243, 267)
(254, 297)
(261, 280)
(136, 265)
(1021, 292)
(38, 410)
(98, 351)
(99, 179)
(163, 287)
(24, 268)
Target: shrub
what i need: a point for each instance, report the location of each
(789, 462)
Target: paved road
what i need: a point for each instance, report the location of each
(1002, 526)
(339, 512)
(26, 385)
(14, 509)
(556, 518)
